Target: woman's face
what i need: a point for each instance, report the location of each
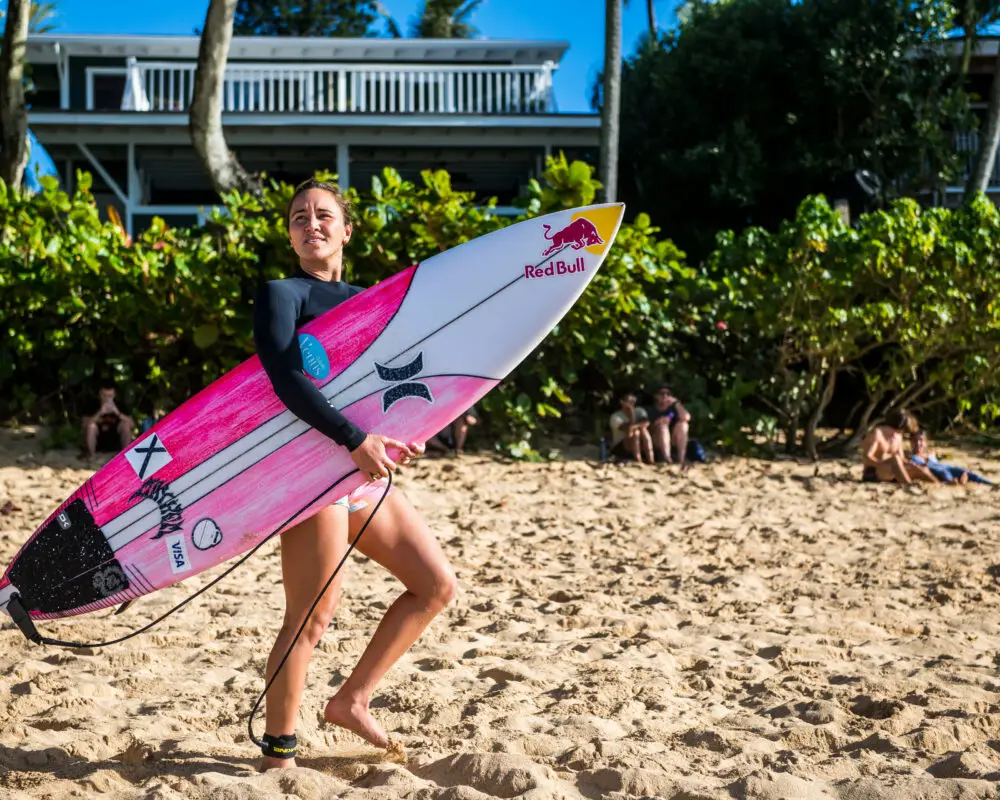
(316, 226)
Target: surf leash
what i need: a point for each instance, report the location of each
(269, 741)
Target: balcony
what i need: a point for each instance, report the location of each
(968, 145)
(341, 88)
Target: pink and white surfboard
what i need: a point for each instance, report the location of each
(231, 465)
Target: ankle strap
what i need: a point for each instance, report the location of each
(283, 746)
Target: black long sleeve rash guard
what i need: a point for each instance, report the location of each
(280, 309)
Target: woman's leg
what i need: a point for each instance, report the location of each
(399, 540)
(310, 553)
(974, 477)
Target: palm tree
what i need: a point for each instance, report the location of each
(395, 31)
(651, 13)
(22, 18)
(445, 19)
(13, 108)
(611, 99)
(971, 15)
(205, 120)
(41, 18)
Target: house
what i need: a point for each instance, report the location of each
(117, 106)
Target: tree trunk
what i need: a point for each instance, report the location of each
(791, 436)
(989, 139)
(205, 119)
(968, 45)
(13, 110)
(813, 422)
(611, 105)
(652, 21)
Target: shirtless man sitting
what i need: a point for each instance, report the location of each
(882, 452)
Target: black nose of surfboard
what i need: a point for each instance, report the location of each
(67, 565)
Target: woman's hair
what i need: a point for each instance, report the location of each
(332, 188)
(903, 420)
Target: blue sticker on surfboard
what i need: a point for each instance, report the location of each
(314, 359)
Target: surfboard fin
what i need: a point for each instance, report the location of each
(124, 605)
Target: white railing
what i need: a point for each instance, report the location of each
(968, 144)
(346, 88)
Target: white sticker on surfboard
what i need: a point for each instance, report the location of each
(148, 457)
(177, 553)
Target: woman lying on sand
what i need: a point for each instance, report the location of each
(946, 473)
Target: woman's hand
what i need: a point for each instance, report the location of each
(417, 449)
(371, 457)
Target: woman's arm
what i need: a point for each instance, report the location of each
(274, 314)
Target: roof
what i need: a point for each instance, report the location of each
(44, 48)
(984, 32)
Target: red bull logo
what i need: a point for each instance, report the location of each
(554, 268)
(578, 234)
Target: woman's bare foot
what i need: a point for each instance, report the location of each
(354, 715)
(269, 762)
(963, 478)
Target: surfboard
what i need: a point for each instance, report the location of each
(231, 465)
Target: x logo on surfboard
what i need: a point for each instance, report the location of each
(148, 457)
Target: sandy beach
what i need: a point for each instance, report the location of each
(749, 629)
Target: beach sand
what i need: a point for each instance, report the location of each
(750, 629)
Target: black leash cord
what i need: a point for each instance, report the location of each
(312, 608)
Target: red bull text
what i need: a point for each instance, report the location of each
(578, 234)
(554, 268)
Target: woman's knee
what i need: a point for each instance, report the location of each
(319, 620)
(311, 633)
(442, 589)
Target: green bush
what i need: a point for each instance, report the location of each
(900, 309)
(170, 312)
(903, 305)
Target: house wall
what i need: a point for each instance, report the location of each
(78, 78)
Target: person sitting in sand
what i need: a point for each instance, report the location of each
(454, 435)
(109, 429)
(882, 452)
(630, 437)
(669, 423)
(946, 473)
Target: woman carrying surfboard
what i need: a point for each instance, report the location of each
(319, 225)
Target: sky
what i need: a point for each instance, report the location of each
(579, 22)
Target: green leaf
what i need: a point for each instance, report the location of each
(206, 335)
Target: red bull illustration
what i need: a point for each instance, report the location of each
(579, 233)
